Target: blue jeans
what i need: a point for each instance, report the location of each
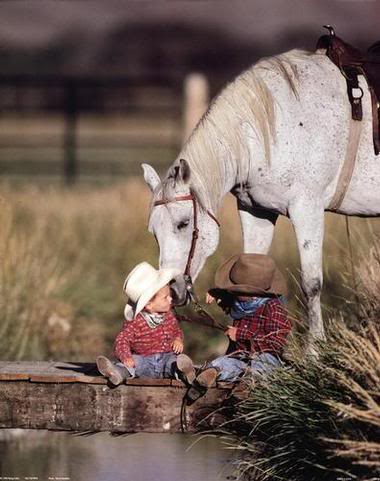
(157, 366)
(230, 369)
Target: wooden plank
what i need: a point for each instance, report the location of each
(64, 372)
(68, 372)
(54, 379)
(89, 407)
(49, 372)
(71, 372)
(26, 367)
(17, 376)
(149, 382)
(20, 370)
(3, 364)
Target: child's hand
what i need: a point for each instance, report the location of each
(231, 333)
(177, 346)
(129, 362)
(222, 298)
(209, 299)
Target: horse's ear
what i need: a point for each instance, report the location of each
(184, 170)
(180, 172)
(151, 177)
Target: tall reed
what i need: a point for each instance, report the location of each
(30, 276)
(319, 417)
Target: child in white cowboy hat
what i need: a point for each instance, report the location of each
(251, 289)
(150, 343)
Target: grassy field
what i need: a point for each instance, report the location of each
(65, 254)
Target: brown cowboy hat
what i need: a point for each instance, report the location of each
(252, 274)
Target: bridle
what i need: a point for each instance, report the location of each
(195, 233)
(187, 277)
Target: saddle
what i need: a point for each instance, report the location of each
(351, 62)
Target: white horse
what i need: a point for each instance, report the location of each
(276, 138)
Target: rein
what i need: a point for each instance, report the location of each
(188, 282)
(195, 233)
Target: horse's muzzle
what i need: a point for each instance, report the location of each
(182, 291)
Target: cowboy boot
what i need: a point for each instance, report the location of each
(115, 374)
(203, 381)
(207, 377)
(185, 368)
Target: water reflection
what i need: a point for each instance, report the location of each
(101, 457)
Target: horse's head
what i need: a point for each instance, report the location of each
(186, 232)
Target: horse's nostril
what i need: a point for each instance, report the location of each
(174, 296)
(188, 299)
(179, 296)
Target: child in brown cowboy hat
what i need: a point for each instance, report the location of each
(150, 343)
(251, 289)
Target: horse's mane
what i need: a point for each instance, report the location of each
(221, 134)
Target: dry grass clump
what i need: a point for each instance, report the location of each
(64, 255)
(29, 277)
(317, 419)
(368, 281)
(360, 354)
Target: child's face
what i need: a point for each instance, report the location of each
(161, 302)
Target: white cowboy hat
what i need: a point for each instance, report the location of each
(142, 283)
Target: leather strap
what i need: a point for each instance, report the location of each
(194, 239)
(185, 197)
(195, 233)
(348, 165)
(352, 63)
(178, 198)
(351, 76)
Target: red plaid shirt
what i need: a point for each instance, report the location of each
(264, 331)
(136, 337)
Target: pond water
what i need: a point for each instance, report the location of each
(49, 456)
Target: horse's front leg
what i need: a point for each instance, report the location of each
(257, 227)
(307, 217)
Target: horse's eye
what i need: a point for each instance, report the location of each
(182, 224)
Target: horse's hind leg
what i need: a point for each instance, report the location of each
(307, 217)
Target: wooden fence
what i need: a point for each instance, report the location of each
(86, 128)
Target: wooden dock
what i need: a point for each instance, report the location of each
(69, 396)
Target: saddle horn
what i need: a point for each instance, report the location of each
(330, 29)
